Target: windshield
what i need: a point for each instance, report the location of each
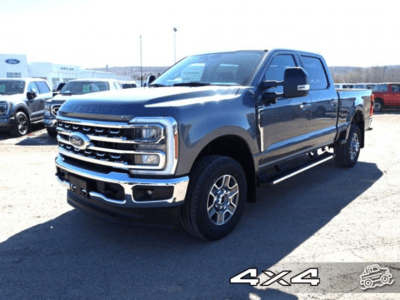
(84, 87)
(233, 68)
(11, 87)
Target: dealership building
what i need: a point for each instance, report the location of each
(17, 66)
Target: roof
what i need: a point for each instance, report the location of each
(94, 79)
(24, 79)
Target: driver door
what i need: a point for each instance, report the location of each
(284, 126)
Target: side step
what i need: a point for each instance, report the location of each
(264, 182)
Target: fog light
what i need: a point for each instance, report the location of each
(147, 159)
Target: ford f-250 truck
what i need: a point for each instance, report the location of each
(205, 134)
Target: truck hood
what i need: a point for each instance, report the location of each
(123, 105)
(12, 98)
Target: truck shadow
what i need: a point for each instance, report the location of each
(77, 256)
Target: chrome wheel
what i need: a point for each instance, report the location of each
(22, 123)
(223, 199)
(354, 146)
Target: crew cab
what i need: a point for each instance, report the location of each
(386, 94)
(72, 88)
(22, 103)
(199, 141)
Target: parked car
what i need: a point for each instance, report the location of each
(58, 89)
(22, 103)
(72, 88)
(128, 84)
(198, 148)
(386, 94)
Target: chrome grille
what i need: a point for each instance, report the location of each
(111, 144)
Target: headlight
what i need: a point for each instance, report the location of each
(149, 133)
(157, 143)
(47, 110)
(5, 108)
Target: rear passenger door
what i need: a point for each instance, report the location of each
(324, 100)
(395, 97)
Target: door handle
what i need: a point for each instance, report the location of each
(305, 105)
(333, 102)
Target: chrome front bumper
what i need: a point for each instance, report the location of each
(50, 122)
(128, 183)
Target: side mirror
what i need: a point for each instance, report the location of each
(31, 95)
(150, 79)
(295, 83)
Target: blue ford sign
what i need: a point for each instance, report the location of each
(12, 61)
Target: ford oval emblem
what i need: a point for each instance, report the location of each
(12, 61)
(79, 140)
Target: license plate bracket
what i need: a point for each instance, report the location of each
(78, 185)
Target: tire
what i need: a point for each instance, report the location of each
(52, 132)
(378, 105)
(21, 124)
(212, 217)
(346, 155)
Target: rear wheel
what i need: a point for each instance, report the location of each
(378, 105)
(346, 155)
(21, 124)
(215, 199)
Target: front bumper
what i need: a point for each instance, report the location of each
(128, 184)
(5, 123)
(50, 123)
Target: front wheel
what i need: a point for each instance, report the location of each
(378, 105)
(21, 125)
(346, 155)
(216, 197)
(52, 132)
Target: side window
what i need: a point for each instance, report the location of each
(396, 88)
(32, 87)
(43, 88)
(276, 69)
(316, 72)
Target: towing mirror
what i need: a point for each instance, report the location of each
(295, 83)
(150, 79)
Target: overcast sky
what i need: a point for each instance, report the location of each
(94, 33)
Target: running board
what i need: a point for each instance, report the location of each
(264, 182)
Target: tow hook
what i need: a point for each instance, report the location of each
(85, 193)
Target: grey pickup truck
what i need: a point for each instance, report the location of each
(204, 135)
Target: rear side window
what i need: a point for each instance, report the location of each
(396, 88)
(381, 88)
(316, 72)
(43, 88)
(276, 70)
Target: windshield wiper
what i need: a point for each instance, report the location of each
(68, 94)
(193, 83)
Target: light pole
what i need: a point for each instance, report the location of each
(175, 30)
(141, 65)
